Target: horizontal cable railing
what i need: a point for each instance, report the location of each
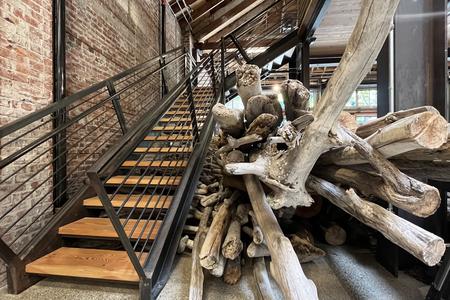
(152, 179)
(32, 185)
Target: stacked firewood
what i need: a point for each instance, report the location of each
(267, 161)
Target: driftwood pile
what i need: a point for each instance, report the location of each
(266, 160)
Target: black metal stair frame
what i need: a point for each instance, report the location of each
(153, 266)
(96, 117)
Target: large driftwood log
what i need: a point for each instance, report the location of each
(405, 192)
(231, 121)
(261, 104)
(285, 266)
(426, 130)
(248, 82)
(424, 245)
(295, 97)
(196, 282)
(395, 187)
(292, 168)
(375, 125)
(257, 250)
(210, 252)
(263, 287)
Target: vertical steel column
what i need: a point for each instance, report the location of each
(162, 43)
(304, 75)
(213, 75)
(59, 92)
(420, 44)
(222, 68)
(295, 63)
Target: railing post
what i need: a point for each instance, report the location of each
(117, 106)
(190, 96)
(222, 67)
(59, 91)
(213, 75)
(98, 187)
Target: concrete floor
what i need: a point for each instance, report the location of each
(343, 274)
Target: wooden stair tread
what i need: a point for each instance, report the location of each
(145, 180)
(156, 164)
(200, 104)
(180, 119)
(138, 201)
(102, 228)
(86, 263)
(172, 128)
(172, 137)
(163, 150)
(187, 112)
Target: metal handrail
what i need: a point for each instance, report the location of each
(65, 102)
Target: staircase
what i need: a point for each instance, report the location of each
(140, 191)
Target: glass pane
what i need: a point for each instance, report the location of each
(352, 101)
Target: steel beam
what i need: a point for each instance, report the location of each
(59, 92)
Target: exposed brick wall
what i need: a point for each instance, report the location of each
(103, 37)
(25, 86)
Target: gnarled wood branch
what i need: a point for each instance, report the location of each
(424, 245)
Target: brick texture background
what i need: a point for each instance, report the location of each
(103, 37)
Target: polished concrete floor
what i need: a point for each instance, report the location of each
(343, 274)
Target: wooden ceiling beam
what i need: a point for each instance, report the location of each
(250, 15)
(201, 8)
(227, 19)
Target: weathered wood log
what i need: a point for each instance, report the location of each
(263, 287)
(231, 121)
(235, 182)
(263, 125)
(393, 186)
(184, 243)
(295, 97)
(219, 267)
(303, 121)
(335, 235)
(214, 198)
(348, 121)
(405, 192)
(242, 213)
(236, 143)
(285, 266)
(375, 125)
(422, 244)
(258, 236)
(197, 276)
(232, 245)
(305, 249)
(210, 251)
(248, 82)
(441, 154)
(233, 271)
(263, 104)
(426, 130)
(257, 250)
